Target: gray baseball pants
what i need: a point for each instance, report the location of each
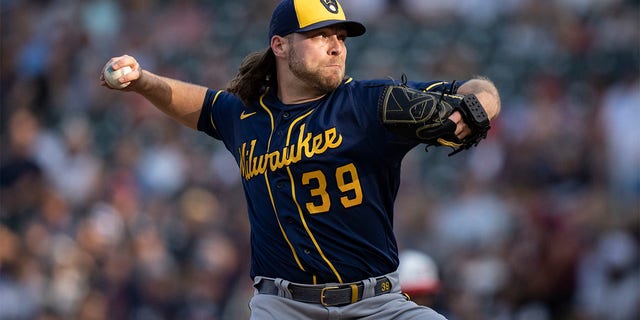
(392, 305)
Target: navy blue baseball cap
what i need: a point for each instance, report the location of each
(305, 15)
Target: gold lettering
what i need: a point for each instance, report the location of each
(260, 166)
(303, 144)
(288, 155)
(318, 147)
(334, 139)
(241, 162)
(274, 160)
(307, 144)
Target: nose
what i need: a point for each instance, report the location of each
(336, 46)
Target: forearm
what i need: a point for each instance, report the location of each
(486, 92)
(179, 100)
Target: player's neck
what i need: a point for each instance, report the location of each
(295, 99)
(296, 92)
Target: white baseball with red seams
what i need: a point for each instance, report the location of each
(111, 76)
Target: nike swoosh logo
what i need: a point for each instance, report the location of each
(246, 115)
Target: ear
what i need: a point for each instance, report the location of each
(279, 46)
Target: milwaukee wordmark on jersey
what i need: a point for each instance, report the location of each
(306, 146)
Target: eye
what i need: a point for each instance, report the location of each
(324, 35)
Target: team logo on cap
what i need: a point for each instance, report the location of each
(331, 5)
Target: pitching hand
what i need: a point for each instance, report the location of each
(121, 62)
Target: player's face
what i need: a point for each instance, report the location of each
(318, 57)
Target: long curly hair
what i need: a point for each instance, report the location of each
(256, 72)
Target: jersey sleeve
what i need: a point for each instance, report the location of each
(216, 117)
(437, 86)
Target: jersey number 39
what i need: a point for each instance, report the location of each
(347, 181)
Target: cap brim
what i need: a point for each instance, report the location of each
(354, 28)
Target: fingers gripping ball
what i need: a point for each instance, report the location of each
(111, 76)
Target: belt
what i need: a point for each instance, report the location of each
(326, 295)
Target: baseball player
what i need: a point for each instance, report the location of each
(319, 155)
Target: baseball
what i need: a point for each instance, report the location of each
(111, 76)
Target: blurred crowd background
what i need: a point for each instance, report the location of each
(109, 210)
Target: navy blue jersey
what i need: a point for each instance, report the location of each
(320, 180)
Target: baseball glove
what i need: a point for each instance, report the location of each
(424, 116)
